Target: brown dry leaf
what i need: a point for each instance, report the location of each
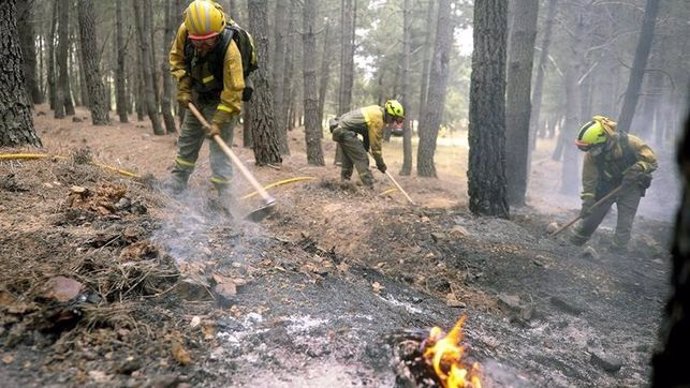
(180, 354)
(8, 359)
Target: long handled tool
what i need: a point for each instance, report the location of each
(399, 187)
(269, 202)
(596, 204)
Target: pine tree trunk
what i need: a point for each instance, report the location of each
(325, 68)
(16, 125)
(27, 36)
(644, 45)
(312, 120)
(426, 58)
(347, 50)
(570, 182)
(538, 89)
(283, 110)
(51, 65)
(166, 98)
(155, 75)
(120, 91)
(518, 105)
(64, 105)
(264, 135)
(438, 80)
(405, 100)
(98, 102)
(486, 172)
(144, 35)
(278, 61)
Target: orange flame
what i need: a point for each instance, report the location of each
(444, 353)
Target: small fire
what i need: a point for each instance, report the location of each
(444, 353)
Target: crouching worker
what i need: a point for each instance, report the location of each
(208, 67)
(368, 122)
(613, 159)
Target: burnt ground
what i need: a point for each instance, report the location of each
(105, 281)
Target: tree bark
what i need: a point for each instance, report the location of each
(518, 105)
(280, 35)
(16, 125)
(426, 58)
(98, 102)
(144, 34)
(120, 90)
(639, 65)
(312, 120)
(347, 50)
(406, 168)
(538, 89)
(263, 127)
(486, 173)
(155, 76)
(570, 182)
(51, 66)
(63, 97)
(324, 76)
(438, 80)
(27, 39)
(166, 98)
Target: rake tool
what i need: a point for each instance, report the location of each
(398, 186)
(596, 204)
(269, 202)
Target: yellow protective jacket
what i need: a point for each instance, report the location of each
(233, 80)
(604, 172)
(368, 122)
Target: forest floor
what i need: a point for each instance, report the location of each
(106, 281)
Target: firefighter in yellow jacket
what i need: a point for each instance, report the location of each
(367, 122)
(613, 159)
(208, 67)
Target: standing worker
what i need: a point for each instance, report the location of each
(613, 159)
(368, 122)
(207, 64)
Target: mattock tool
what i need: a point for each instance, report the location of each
(269, 202)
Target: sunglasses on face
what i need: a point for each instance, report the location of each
(594, 148)
(204, 43)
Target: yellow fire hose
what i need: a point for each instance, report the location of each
(130, 174)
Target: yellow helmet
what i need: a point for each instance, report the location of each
(394, 109)
(204, 19)
(590, 135)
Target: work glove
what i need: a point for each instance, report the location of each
(587, 205)
(212, 131)
(381, 166)
(184, 98)
(248, 90)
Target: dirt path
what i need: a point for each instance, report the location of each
(318, 294)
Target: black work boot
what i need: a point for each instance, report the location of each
(174, 185)
(227, 201)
